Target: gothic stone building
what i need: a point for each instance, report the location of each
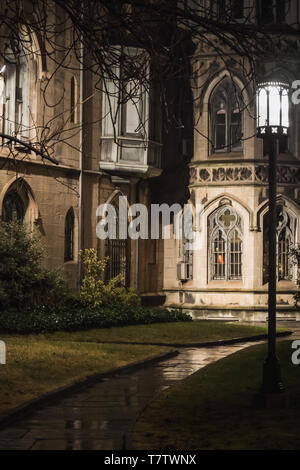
(221, 166)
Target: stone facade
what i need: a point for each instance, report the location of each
(97, 163)
(237, 179)
(87, 174)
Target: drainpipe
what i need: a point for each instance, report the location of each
(136, 264)
(80, 202)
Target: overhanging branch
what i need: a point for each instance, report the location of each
(29, 147)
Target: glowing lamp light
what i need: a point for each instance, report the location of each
(272, 105)
(220, 259)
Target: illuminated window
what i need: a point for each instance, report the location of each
(225, 244)
(226, 117)
(285, 239)
(219, 256)
(187, 242)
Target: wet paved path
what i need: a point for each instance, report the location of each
(101, 416)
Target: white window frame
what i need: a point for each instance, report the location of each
(15, 120)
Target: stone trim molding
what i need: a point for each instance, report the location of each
(237, 174)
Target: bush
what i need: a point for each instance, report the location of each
(34, 300)
(44, 319)
(95, 291)
(22, 280)
(294, 256)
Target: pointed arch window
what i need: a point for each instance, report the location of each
(225, 244)
(285, 239)
(69, 236)
(226, 117)
(284, 244)
(13, 207)
(187, 239)
(219, 255)
(117, 249)
(235, 253)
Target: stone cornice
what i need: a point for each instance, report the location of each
(285, 42)
(10, 164)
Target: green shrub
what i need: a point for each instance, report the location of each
(294, 256)
(129, 296)
(22, 280)
(45, 319)
(95, 291)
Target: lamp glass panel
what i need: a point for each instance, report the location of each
(285, 108)
(274, 105)
(262, 106)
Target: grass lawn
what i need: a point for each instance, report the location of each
(34, 367)
(170, 333)
(213, 409)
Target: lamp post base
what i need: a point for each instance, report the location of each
(272, 376)
(272, 394)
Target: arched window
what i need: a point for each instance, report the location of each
(16, 90)
(226, 117)
(235, 252)
(285, 239)
(186, 222)
(219, 255)
(117, 249)
(225, 244)
(69, 236)
(72, 100)
(13, 207)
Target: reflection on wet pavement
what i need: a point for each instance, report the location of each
(101, 416)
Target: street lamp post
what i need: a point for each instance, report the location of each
(272, 124)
